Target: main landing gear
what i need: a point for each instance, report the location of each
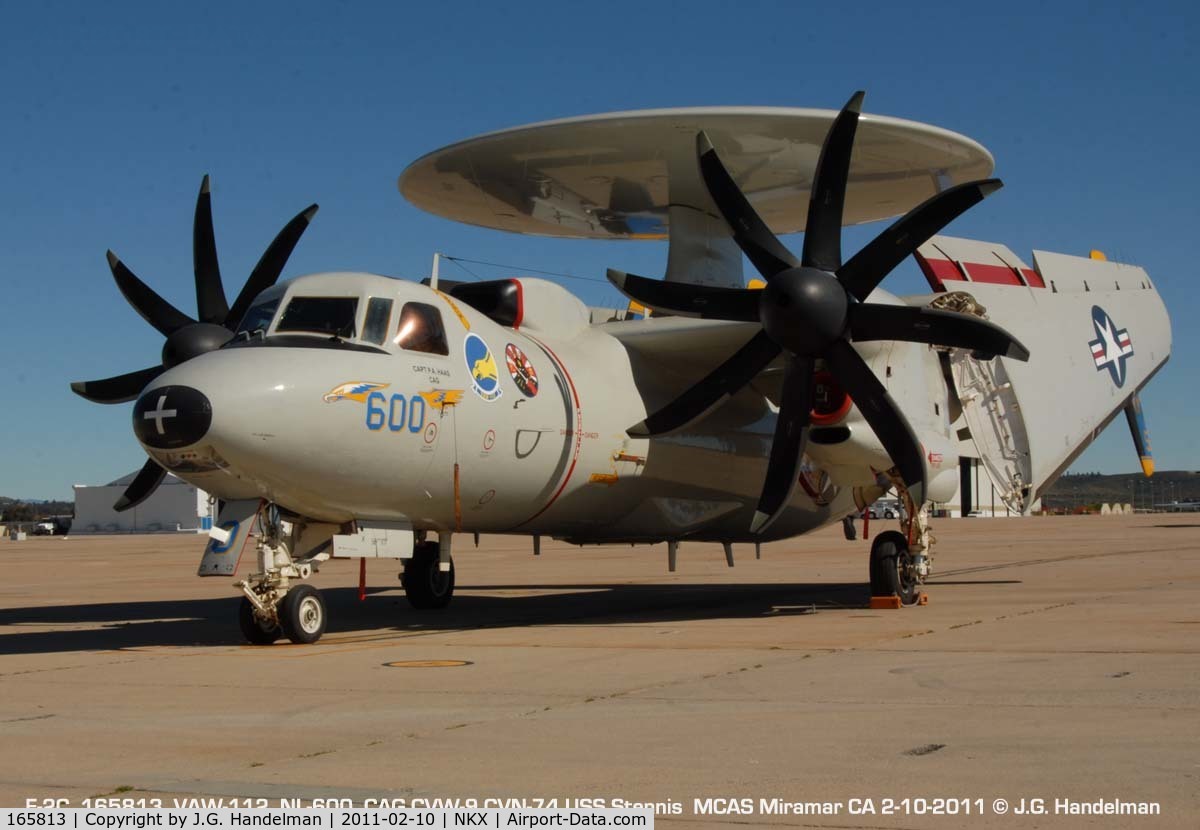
(902, 560)
(892, 571)
(426, 585)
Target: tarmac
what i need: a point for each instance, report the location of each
(1057, 658)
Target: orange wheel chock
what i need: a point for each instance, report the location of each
(880, 603)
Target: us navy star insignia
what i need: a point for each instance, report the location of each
(1112, 346)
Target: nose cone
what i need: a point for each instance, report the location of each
(169, 417)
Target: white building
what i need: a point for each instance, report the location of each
(976, 494)
(175, 506)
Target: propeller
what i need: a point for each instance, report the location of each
(187, 338)
(813, 309)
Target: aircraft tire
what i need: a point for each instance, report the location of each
(425, 586)
(891, 568)
(252, 629)
(302, 614)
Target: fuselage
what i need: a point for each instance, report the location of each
(354, 396)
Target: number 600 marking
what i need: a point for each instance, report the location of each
(392, 412)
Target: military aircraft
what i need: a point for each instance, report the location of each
(356, 415)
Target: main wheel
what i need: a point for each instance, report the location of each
(302, 614)
(254, 629)
(425, 584)
(892, 571)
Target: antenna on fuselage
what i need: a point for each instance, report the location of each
(433, 275)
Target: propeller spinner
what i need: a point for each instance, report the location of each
(814, 308)
(187, 338)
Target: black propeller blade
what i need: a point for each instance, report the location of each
(823, 227)
(145, 300)
(791, 434)
(868, 267)
(752, 235)
(270, 265)
(812, 308)
(881, 412)
(916, 324)
(142, 486)
(688, 300)
(117, 389)
(187, 338)
(718, 386)
(210, 294)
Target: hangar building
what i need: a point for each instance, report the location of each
(175, 506)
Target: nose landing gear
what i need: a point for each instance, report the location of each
(272, 606)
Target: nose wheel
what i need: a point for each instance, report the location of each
(302, 614)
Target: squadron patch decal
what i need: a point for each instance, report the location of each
(355, 390)
(485, 379)
(520, 368)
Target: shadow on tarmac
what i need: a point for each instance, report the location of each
(213, 622)
(934, 583)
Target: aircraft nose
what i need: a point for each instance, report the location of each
(169, 417)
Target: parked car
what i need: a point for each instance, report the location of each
(883, 510)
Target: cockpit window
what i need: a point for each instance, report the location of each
(375, 326)
(420, 329)
(320, 315)
(259, 316)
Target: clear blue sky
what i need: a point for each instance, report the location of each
(113, 111)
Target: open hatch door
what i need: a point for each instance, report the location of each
(993, 415)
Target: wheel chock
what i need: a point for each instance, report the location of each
(893, 601)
